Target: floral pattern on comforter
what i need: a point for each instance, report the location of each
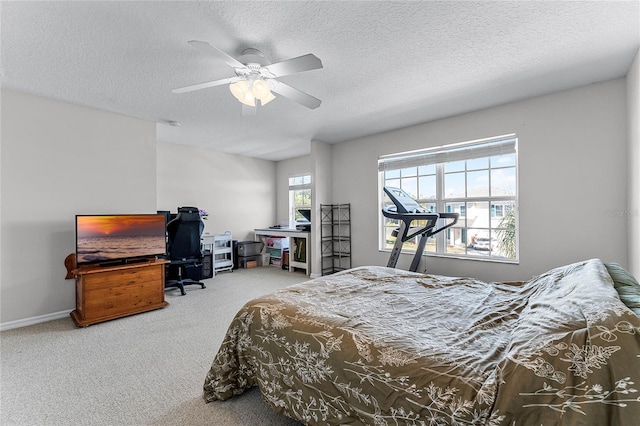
(380, 346)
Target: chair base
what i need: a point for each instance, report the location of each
(181, 283)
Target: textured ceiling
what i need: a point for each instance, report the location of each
(386, 64)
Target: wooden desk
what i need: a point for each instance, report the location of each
(292, 234)
(105, 293)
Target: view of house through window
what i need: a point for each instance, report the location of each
(477, 180)
(299, 195)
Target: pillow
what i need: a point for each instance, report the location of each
(626, 285)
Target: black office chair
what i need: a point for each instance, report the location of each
(184, 250)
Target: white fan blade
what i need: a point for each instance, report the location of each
(291, 66)
(217, 53)
(295, 94)
(205, 85)
(248, 110)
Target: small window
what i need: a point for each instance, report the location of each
(477, 180)
(299, 196)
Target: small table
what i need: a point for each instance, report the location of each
(295, 237)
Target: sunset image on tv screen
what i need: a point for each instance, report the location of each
(103, 238)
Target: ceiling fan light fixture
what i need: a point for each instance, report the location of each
(239, 89)
(261, 89)
(243, 92)
(247, 91)
(249, 100)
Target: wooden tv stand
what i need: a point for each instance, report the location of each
(106, 293)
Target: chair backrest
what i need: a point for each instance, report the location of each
(184, 234)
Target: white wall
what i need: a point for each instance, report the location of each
(572, 179)
(59, 160)
(633, 123)
(320, 194)
(238, 192)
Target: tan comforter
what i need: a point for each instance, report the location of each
(379, 346)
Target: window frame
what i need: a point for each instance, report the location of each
(443, 246)
(298, 182)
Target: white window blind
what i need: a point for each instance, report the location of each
(501, 145)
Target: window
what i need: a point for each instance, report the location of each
(477, 180)
(299, 195)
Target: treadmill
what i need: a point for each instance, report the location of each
(407, 210)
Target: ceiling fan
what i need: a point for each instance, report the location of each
(256, 79)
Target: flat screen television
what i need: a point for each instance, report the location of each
(123, 238)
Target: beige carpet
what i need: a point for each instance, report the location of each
(146, 369)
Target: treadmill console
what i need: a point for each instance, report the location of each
(403, 201)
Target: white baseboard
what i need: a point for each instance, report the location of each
(34, 320)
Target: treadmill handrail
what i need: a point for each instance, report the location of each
(453, 216)
(407, 218)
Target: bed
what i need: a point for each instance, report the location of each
(381, 346)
